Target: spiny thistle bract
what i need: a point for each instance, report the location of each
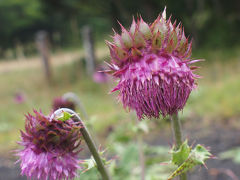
(50, 148)
(152, 63)
(60, 102)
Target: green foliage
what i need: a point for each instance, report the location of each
(180, 155)
(186, 158)
(200, 154)
(127, 164)
(91, 174)
(89, 164)
(233, 154)
(214, 24)
(16, 16)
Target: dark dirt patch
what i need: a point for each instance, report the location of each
(219, 138)
(9, 171)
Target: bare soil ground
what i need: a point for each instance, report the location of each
(219, 138)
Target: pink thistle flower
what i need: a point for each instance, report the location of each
(19, 98)
(152, 63)
(60, 102)
(100, 77)
(50, 148)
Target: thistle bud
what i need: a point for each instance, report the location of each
(152, 63)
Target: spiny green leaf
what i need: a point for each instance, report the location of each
(89, 164)
(197, 156)
(180, 155)
(200, 154)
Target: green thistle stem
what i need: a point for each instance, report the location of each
(89, 141)
(176, 127)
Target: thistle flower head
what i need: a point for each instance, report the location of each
(61, 102)
(50, 148)
(152, 63)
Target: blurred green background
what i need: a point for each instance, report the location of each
(213, 107)
(213, 23)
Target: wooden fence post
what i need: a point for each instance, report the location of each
(88, 45)
(42, 43)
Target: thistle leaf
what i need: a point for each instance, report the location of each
(180, 155)
(197, 156)
(89, 164)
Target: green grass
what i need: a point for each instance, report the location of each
(217, 101)
(100, 106)
(217, 97)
